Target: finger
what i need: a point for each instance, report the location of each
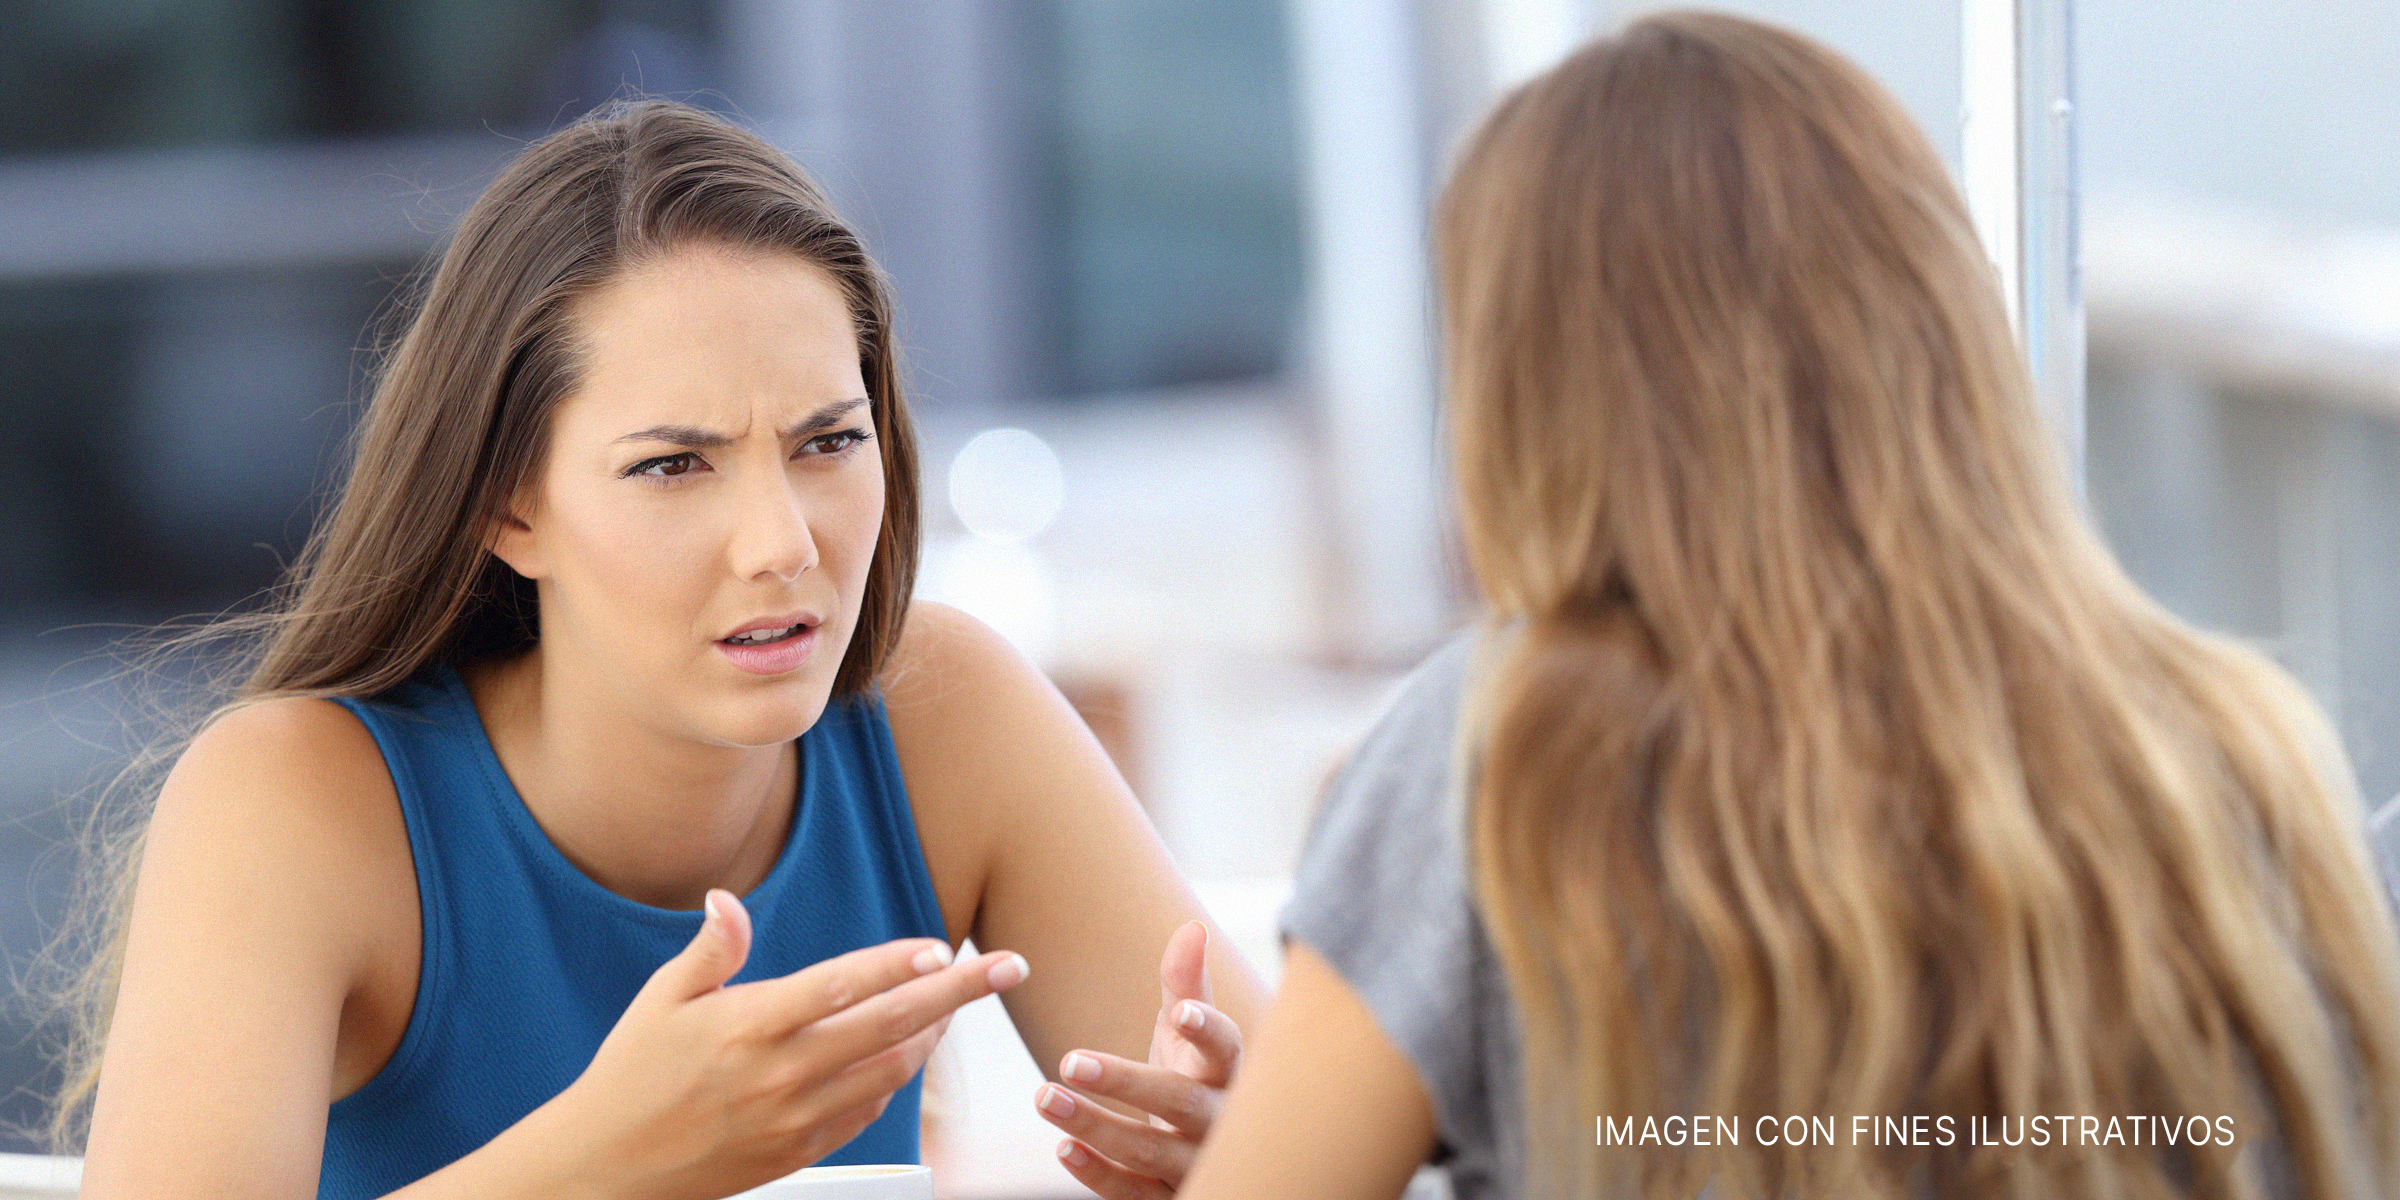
(1167, 1094)
(822, 989)
(1213, 1036)
(910, 1054)
(891, 1017)
(1138, 1146)
(1106, 1179)
(873, 1079)
(1183, 969)
(825, 1136)
(712, 956)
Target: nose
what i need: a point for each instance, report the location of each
(771, 536)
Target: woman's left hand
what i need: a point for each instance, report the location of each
(1194, 1051)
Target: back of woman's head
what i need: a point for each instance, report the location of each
(398, 575)
(1829, 766)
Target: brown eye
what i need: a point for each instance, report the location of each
(670, 464)
(834, 444)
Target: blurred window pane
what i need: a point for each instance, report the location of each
(1169, 158)
(2242, 168)
(127, 74)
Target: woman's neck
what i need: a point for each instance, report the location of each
(648, 815)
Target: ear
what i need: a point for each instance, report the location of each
(512, 540)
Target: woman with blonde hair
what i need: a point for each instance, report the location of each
(1818, 771)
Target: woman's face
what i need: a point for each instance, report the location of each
(701, 529)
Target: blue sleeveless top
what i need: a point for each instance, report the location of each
(528, 962)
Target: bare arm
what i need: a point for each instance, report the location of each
(1326, 1108)
(1046, 850)
(263, 888)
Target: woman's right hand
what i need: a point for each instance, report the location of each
(702, 1090)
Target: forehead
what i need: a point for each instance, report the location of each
(704, 331)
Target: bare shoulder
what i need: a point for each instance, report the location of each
(296, 759)
(945, 661)
(978, 730)
(294, 791)
(291, 732)
(959, 695)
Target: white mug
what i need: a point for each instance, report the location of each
(895, 1182)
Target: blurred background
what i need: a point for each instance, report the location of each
(1162, 286)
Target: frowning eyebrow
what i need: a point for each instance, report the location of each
(692, 437)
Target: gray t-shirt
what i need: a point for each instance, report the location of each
(1385, 895)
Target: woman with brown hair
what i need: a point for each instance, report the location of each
(1831, 816)
(605, 659)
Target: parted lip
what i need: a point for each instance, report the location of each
(784, 621)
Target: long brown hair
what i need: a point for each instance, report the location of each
(1827, 764)
(398, 576)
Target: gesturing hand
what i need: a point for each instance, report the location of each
(702, 1089)
(1194, 1051)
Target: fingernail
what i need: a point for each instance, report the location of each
(1188, 1015)
(1008, 972)
(1081, 1067)
(932, 958)
(1070, 1153)
(712, 911)
(1057, 1102)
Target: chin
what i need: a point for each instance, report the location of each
(777, 712)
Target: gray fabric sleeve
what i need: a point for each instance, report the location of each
(1383, 895)
(2383, 837)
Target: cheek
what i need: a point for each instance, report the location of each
(617, 562)
(857, 523)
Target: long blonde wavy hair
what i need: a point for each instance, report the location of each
(1829, 764)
